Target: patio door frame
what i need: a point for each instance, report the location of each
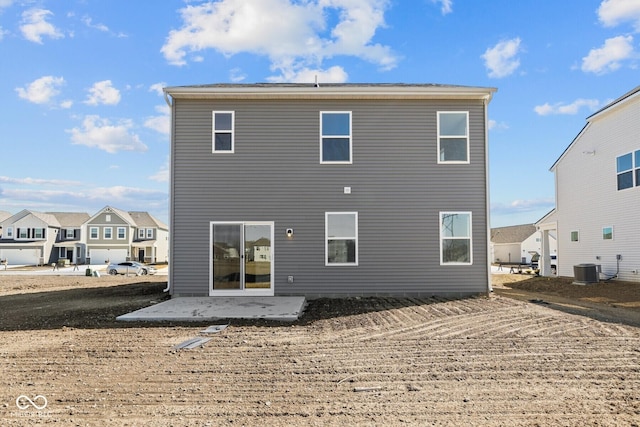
(243, 291)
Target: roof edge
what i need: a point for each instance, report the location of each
(331, 91)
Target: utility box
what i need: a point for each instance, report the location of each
(585, 274)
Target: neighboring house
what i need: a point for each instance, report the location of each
(28, 238)
(348, 189)
(518, 244)
(69, 244)
(114, 235)
(3, 215)
(507, 244)
(151, 241)
(598, 195)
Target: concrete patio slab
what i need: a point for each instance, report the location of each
(196, 309)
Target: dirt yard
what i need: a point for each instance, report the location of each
(537, 352)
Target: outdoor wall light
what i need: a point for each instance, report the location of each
(289, 232)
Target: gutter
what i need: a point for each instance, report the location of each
(488, 207)
(374, 91)
(167, 99)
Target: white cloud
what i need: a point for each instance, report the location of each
(608, 58)
(236, 75)
(157, 88)
(523, 205)
(66, 104)
(614, 12)
(163, 173)
(89, 23)
(97, 132)
(5, 3)
(494, 125)
(35, 26)
(334, 74)
(559, 108)
(37, 181)
(42, 90)
(501, 60)
(103, 93)
(446, 6)
(127, 198)
(161, 123)
(118, 195)
(293, 35)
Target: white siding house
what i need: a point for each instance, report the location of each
(598, 195)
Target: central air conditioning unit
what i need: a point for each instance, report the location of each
(585, 274)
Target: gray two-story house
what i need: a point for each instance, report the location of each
(114, 235)
(330, 190)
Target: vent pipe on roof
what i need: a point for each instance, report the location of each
(317, 84)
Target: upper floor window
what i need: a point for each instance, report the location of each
(335, 137)
(140, 233)
(9, 232)
(38, 233)
(607, 233)
(149, 233)
(122, 233)
(575, 236)
(22, 233)
(341, 238)
(453, 137)
(93, 232)
(70, 233)
(108, 232)
(628, 170)
(223, 129)
(455, 238)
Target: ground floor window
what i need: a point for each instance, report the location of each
(341, 238)
(455, 238)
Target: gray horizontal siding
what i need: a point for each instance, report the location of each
(275, 175)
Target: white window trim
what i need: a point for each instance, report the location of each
(341, 162)
(118, 233)
(149, 233)
(438, 137)
(326, 240)
(35, 233)
(104, 233)
(9, 232)
(213, 133)
(69, 233)
(612, 232)
(571, 236)
(91, 233)
(470, 238)
(141, 233)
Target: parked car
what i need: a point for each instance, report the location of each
(130, 267)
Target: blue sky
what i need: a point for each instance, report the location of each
(84, 123)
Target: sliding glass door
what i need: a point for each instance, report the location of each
(241, 258)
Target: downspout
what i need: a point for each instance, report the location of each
(170, 104)
(488, 207)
